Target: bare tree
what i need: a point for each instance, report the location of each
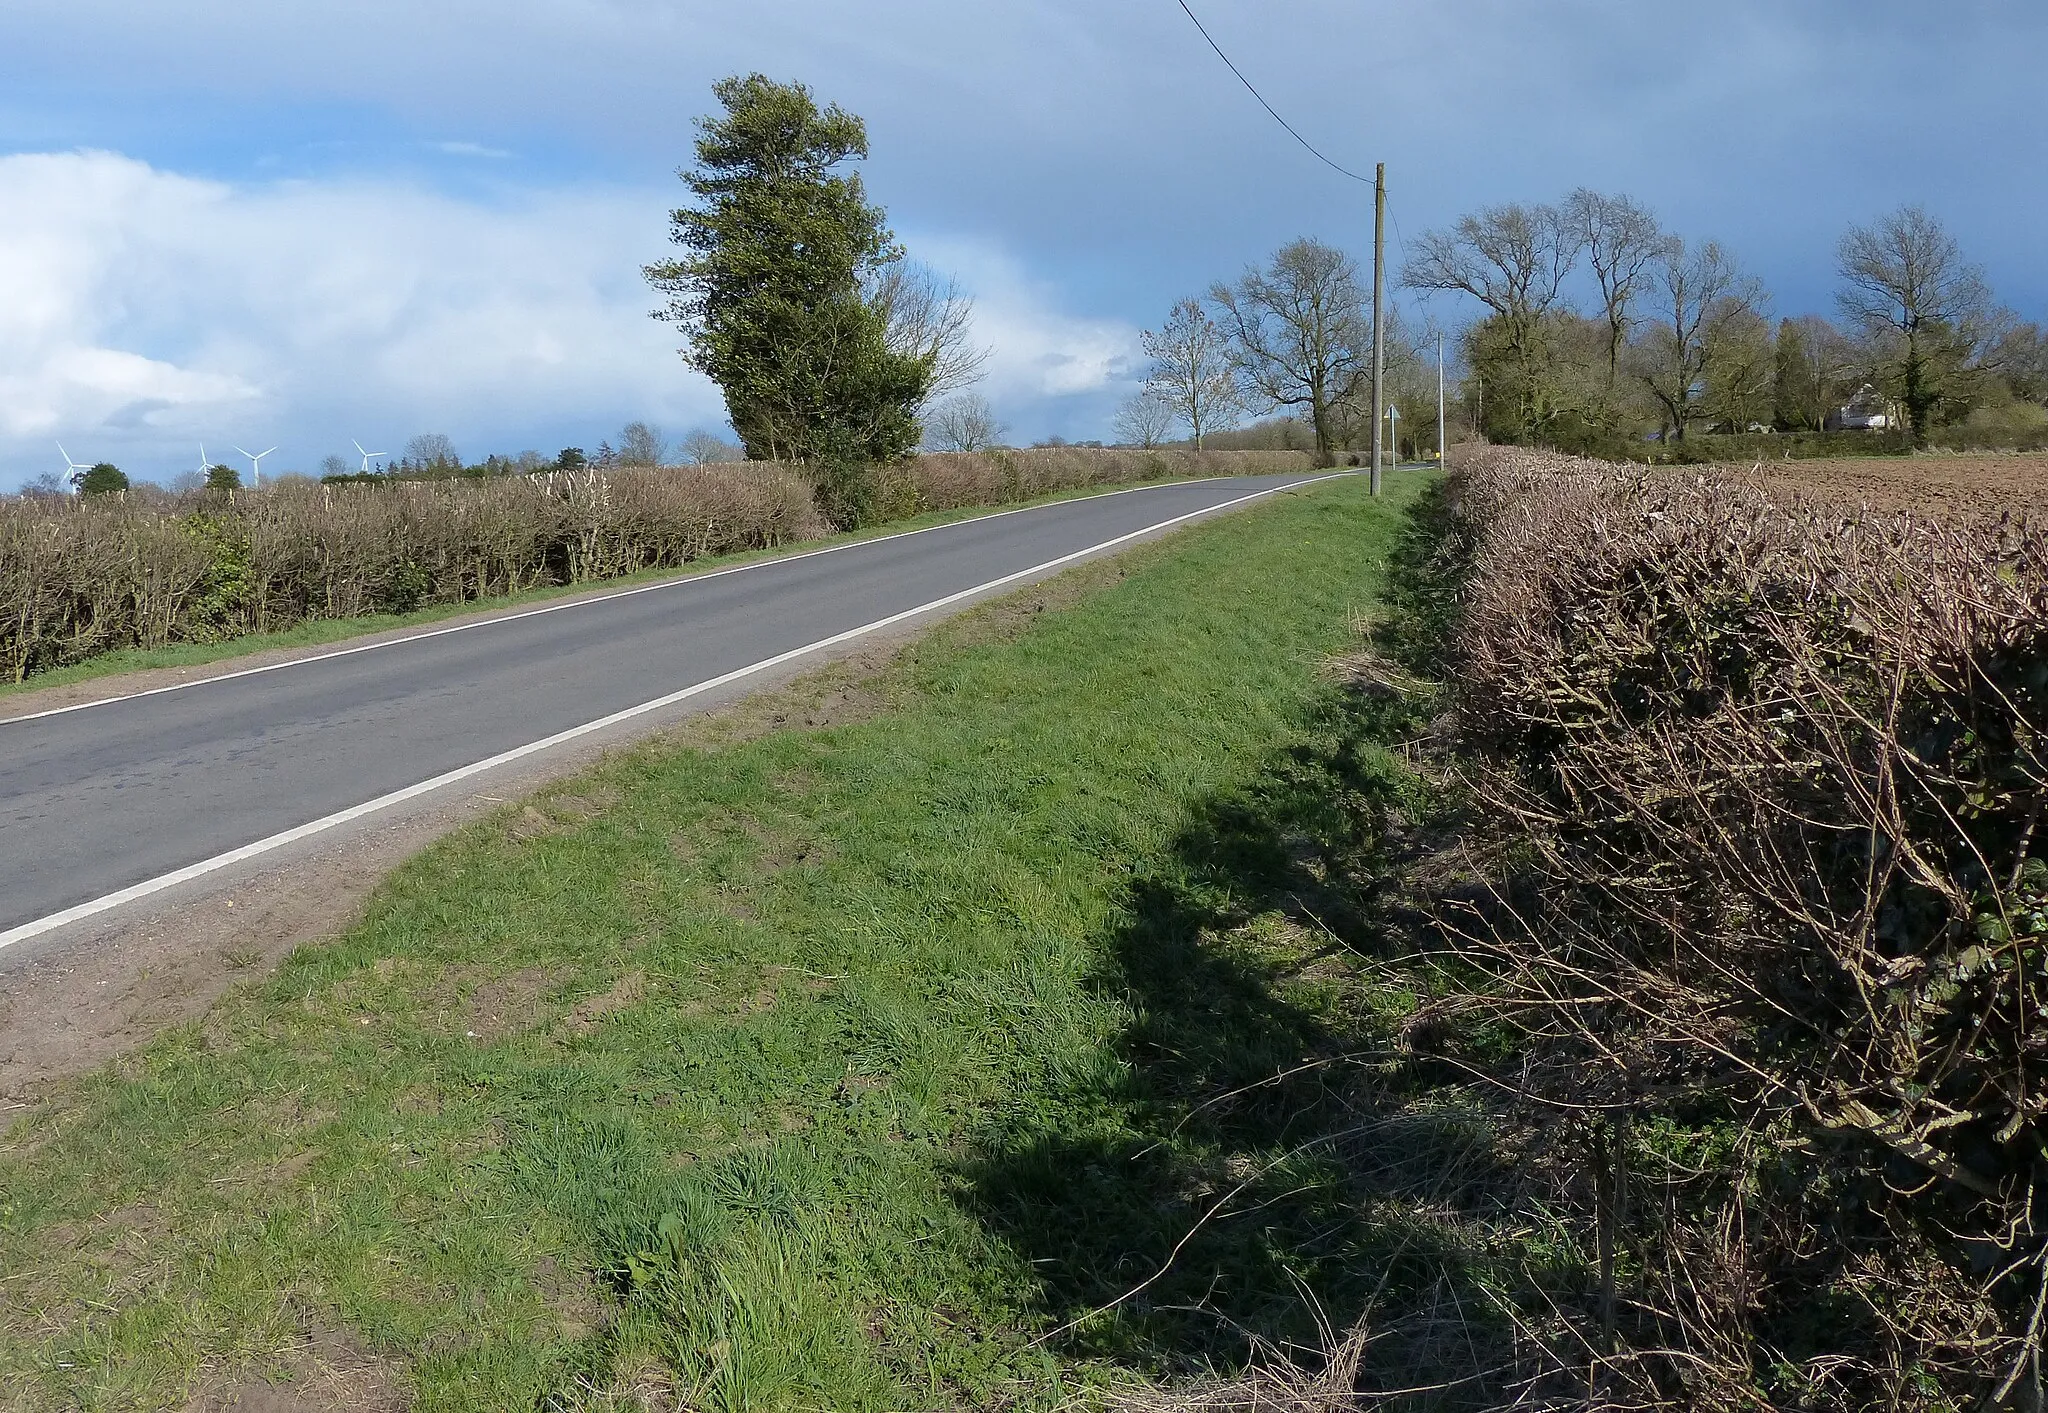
(1301, 337)
(1705, 304)
(1621, 241)
(963, 423)
(1144, 418)
(703, 448)
(1192, 371)
(928, 316)
(1514, 260)
(1925, 310)
(640, 445)
(432, 449)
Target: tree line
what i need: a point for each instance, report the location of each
(1292, 336)
(1671, 337)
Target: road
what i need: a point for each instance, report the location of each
(104, 804)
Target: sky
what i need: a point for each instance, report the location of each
(225, 222)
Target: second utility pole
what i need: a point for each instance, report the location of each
(1379, 336)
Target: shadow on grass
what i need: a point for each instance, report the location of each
(1261, 1169)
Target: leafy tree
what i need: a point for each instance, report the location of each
(1925, 310)
(223, 478)
(781, 256)
(571, 458)
(102, 479)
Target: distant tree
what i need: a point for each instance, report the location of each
(1193, 373)
(606, 458)
(1514, 260)
(433, 451)
(528, 462)
(781, 256)
(185, 482)
(48, 486)
(929, 318)
(103, 479)
(223, 478)
(1739, 363)
(1300, 336)
(1704, 304)
(331, 465)
(571, 458)
(1924, 310)
(963, 423)
(1144, 418)
(1621, 241)
(2020, 357)
(703, 448)
(640, 445)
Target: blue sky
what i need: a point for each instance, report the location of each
(299, 223)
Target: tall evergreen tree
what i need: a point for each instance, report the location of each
(781, 252)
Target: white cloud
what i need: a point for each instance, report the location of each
(1038, 352)
(141, 310)
(144, 311)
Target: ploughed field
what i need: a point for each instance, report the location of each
(1948, 486)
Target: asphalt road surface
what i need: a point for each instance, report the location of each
(108, 802)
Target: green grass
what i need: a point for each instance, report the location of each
(822, 1068)
(319, 632)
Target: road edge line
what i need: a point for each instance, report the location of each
(138, 891)
(679, 581)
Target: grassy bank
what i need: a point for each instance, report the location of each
(829, 1067)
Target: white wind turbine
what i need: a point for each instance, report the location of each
(256, 465)
(71, 469)
(366, 455)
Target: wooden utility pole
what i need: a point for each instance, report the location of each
(1379, 331)
(1442, 457)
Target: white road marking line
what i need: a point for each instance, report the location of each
(110, 901)
(682, 581)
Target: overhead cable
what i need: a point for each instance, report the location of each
(1249, 87)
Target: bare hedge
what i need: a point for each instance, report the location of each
(113, 572)
(1761, 785)
(78, 579)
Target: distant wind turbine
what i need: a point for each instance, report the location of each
(71, 469)
(256, 465)
(366, 456)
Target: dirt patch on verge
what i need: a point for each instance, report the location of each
(327, 1371)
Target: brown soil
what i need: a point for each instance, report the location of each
(325, 1372)
(1971, 487)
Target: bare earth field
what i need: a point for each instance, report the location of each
(1961, 486)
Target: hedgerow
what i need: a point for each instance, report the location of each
(1756, 790)
(79, 578)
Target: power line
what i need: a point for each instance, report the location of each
(1344, 171)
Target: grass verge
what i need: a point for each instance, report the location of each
(826, 1067)
(320, 632)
